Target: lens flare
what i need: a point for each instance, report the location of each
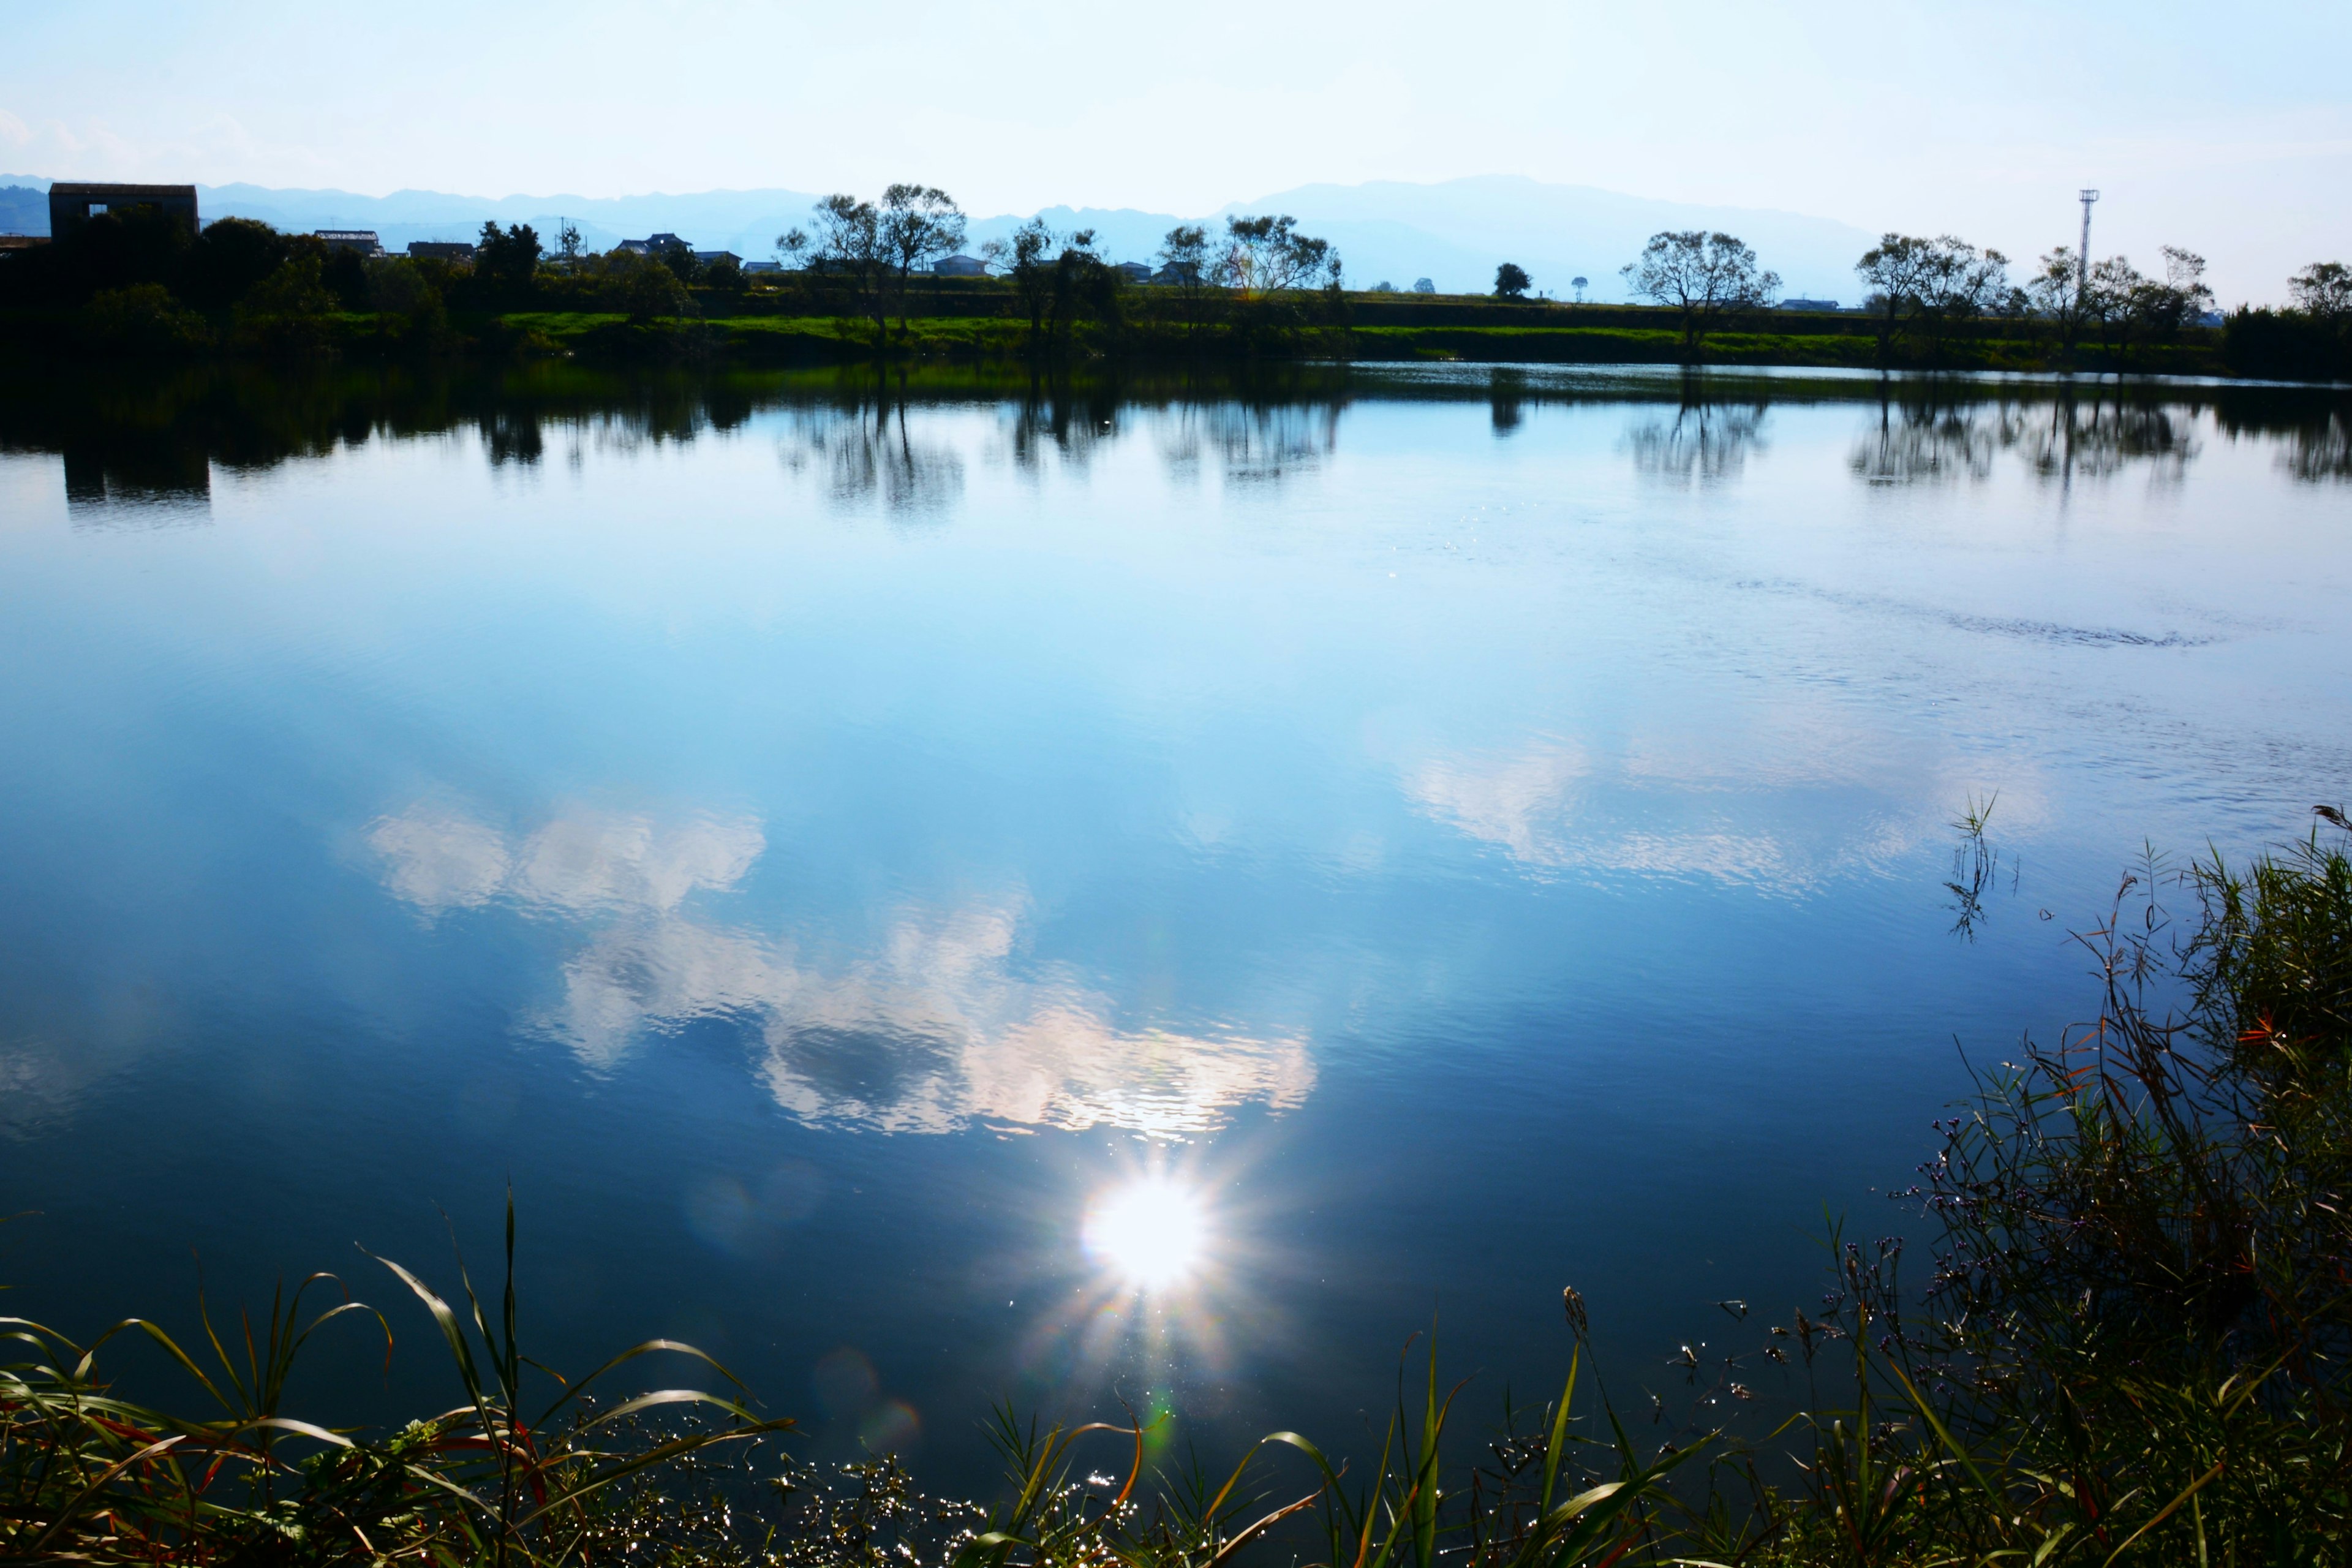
(1150, 1233)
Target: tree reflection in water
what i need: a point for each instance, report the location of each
(868, 451)
(1703, 443)
(149, 439)
(1941, 434)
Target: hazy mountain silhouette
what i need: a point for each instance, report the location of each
(1454, 231)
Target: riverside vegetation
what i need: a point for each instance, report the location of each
(859, 284)
(2129, 1349)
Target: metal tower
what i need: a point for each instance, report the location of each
(2083, 257)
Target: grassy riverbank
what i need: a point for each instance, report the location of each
(752, 331)
(2129, 1347)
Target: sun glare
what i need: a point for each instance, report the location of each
(1150, 1233)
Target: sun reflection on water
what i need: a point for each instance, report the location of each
(1150, 1233)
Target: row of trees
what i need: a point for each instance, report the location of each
(1923, 293)
(870, 252)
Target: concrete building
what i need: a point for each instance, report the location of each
(73, 203)
(1808, 304)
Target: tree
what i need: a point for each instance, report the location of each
(2323, 291)
(1024, 258)
(849, 246)
(1891, 271)
(2160, 311)
(1511, 281)
(567, 241)
(1702, 277)
(1185, 260)
(1956, 284)
(724, 274)
(229, 257)
(919, 225)
(1082, 281)
(505, 263)
(643, 287)
(1267, 256)
(1579, 284)
(2057, 293)
(680, 261)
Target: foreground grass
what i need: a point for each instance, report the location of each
(2131, 1349)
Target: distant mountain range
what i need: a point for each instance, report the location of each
(1454, 232)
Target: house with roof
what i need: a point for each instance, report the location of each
(362, 240)
(1133, 271)
(441, 250)
(959, 267)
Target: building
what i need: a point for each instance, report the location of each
(73, 203)
(1174, 274)
(705, 257)
(1808, 304)
(440, 250)
(1133, 271)
(959, 267)
(759, 268)
(362, 240)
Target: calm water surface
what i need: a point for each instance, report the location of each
(964, 893)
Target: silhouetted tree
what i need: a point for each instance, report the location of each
(918, 226)
(505, 263)
(1185, 258)
(2058, 296)
(1891, 272)
(1269, 255)
(228, 258)
(1025, 260)
(850, 246)
(1704, 277)
(1510, 281)
(1956, 284)
(2323, 291)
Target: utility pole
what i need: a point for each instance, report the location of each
(2083, 257)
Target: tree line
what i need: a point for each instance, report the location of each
(142, 280)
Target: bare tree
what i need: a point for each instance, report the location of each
(1703, 277)
(918, 225)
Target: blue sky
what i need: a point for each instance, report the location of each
(2228, 130)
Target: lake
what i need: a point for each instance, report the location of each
(949, 890)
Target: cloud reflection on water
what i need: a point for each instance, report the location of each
(939, 1026)
(1761, 817)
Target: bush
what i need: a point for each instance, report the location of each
(287, 312)
(144, 320)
